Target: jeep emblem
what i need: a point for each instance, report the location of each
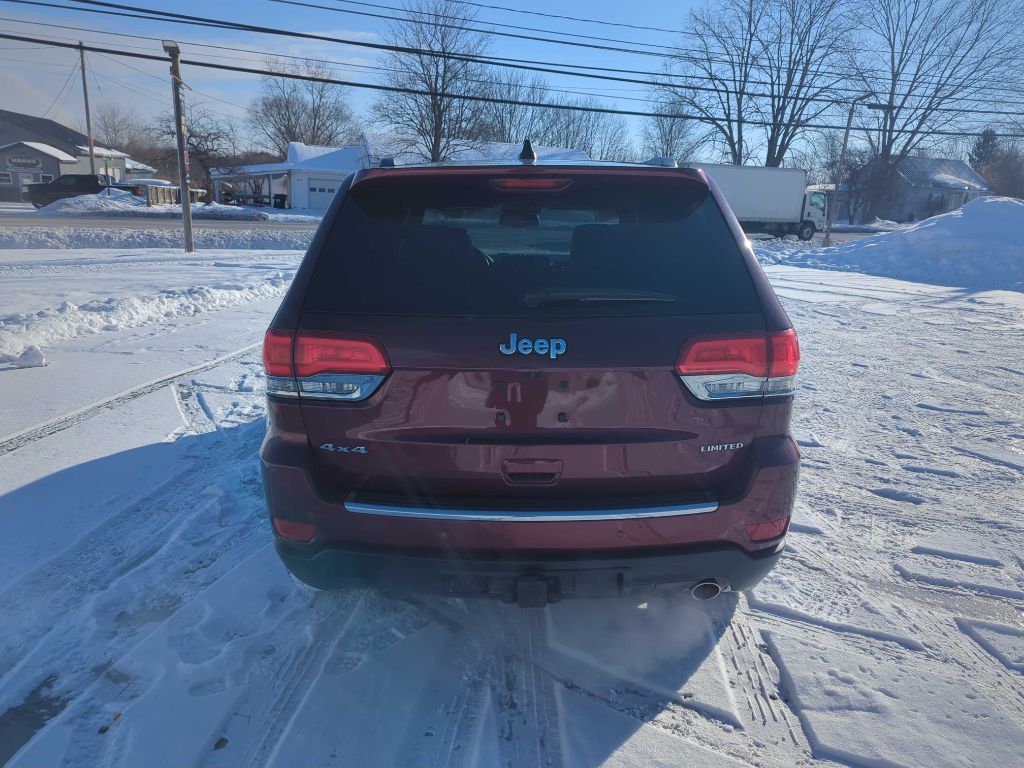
(524, 346)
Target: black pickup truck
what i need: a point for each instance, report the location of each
(75, 184)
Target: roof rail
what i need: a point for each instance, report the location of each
(663, 162)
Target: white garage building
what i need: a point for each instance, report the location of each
(310, 176)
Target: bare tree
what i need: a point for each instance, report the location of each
(601, 135)
(435, 121)
(118, 127)
(666, 136)
(800, 47)
(514, 121)
(818, 153)
(289, 109)
(929, 62)
(212, 139)
(612, 140)
(724, 59)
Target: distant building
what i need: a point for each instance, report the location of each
(309, 177)
(923, 187)
(34, 149)
(133, 169)
(24, 162)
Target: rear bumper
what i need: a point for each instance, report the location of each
(767, 493)
(468, 553)
(524, 578)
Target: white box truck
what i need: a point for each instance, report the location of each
(770, 200)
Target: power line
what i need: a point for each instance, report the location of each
(625, 25)
(156, 77)
(340, 65)
(583, 90)
(522, 64)
(670, 52)
(621, 24)
(455, 96)
(488, 22)
(149, 94)
(71, 74)
(445, 24)
(546, 67)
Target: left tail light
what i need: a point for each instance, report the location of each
(290, 529)
(323, 366)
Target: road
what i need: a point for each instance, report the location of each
(110, 222)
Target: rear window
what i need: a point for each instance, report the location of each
(459, 246)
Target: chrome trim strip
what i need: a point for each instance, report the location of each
(516, 516)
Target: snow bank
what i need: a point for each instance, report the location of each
(32, 357)
(979, 246)
(118, 202)
(19, 333)
(206, 239)
(111, 201)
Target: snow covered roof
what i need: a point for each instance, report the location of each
(46, 149)
(99, 151)
(308, 158)
(135, 165)
(497, 152)
(404, 151)
(344, 160)
(941, 172)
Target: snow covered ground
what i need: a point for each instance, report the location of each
(76, 237)
(119, 202)
(146, 620)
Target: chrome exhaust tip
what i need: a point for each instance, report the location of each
(706, 590)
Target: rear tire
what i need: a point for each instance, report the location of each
(806, 230)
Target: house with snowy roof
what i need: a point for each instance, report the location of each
(35, 149)
(928, 186)
(309, 176)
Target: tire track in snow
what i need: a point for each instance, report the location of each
(52, 427)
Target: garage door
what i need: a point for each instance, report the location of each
(321, 193)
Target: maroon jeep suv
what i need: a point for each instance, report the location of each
(530, 382)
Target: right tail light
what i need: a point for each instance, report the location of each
(323, 366)
(736, 366)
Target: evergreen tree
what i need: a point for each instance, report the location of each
(985, 151)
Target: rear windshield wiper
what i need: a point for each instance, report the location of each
(558, 296)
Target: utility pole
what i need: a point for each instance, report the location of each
(179, 128)
(834, 203)
(88, 114)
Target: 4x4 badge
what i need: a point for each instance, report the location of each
(524, 346)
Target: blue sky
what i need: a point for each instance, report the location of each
(31, 77)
